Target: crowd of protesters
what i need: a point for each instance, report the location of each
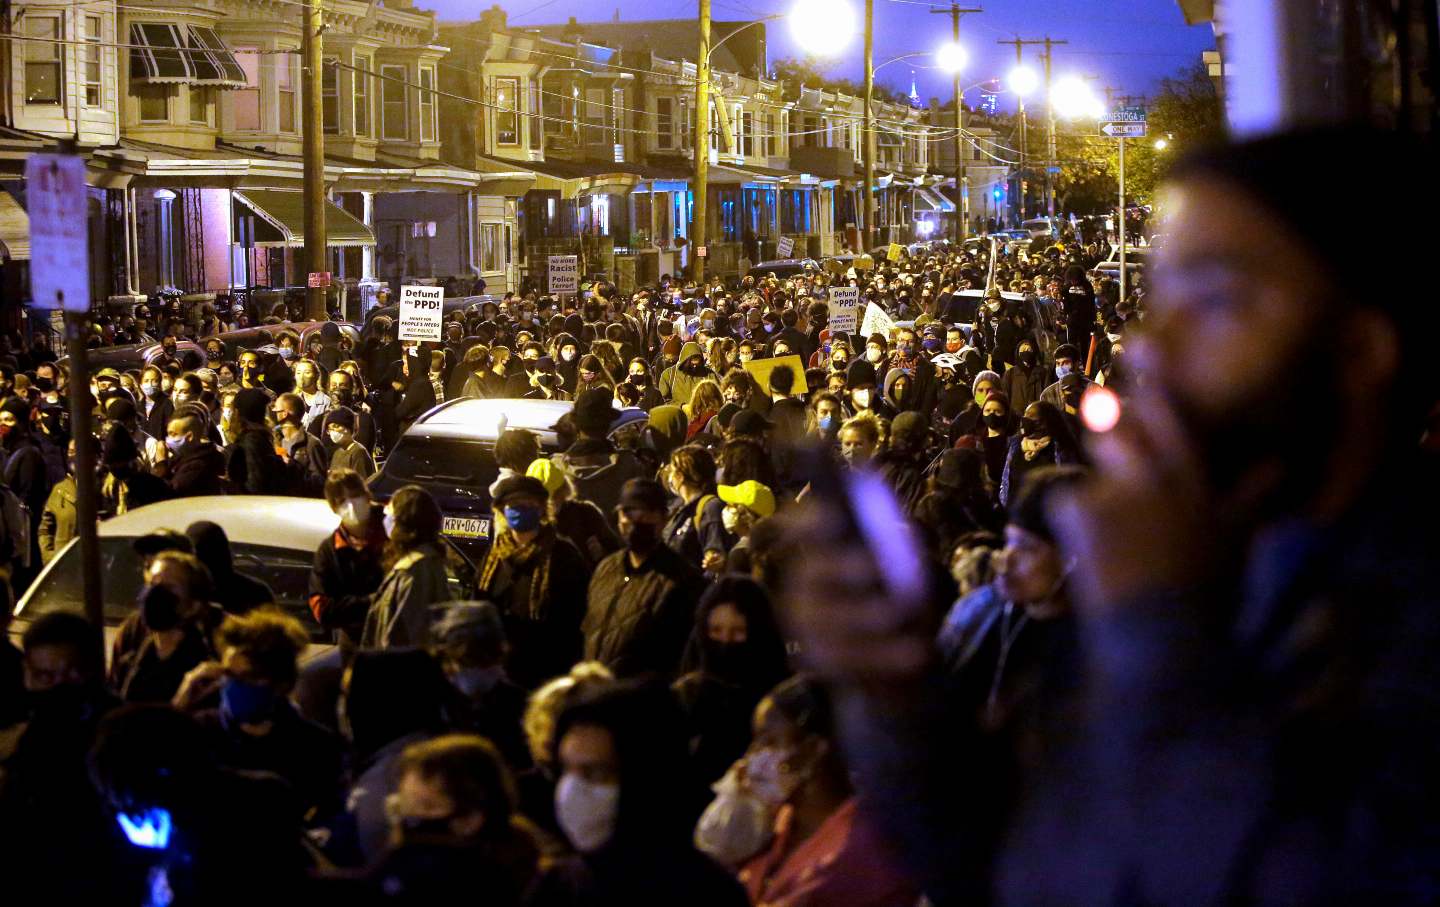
(1186, 660)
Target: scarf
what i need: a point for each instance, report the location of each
(1031, 447)
(508, 551)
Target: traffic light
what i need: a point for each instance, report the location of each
(998, 193)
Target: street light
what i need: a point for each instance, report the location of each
(1073, 99)
(1024, 81)
(1163, 142)
(952, 57)
(822, 27)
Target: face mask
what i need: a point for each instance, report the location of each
(736, 824)
(933, 345)
(336, 437)
(825, 423)
(247, 703)
(873, 354)
(1062, 370)
(861, 399)
(640, 380)
(995, 421)
(159, 608)
(769, 779)
(586, 811)
(173, 444)
(730, 518)
(567, 355)
(212, 355)
(1027, 358)
(587, 377)
(355, 513)
(287, 353)
(149, 389)
(1032, 428)
(389, 521)
(343, 397)
(476, 682)
(1113, 338)
(642, 537)
(523, 519)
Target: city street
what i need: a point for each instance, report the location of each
(870, 453)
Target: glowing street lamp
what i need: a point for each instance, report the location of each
(952, 57)
(1024, 81)
(822, 27)
(1073, 99)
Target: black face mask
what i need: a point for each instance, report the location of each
(639, 380)
(419, 830)
(995, 421)
(726, 659)
(159, 608)
(1032, 428)
(642, 538)
(1027, 358)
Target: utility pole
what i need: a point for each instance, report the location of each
(702, 147)
(962, 177)
(1122, 217)
(313, 125)
(1019, 44)
(867, 225)
(1050, 138)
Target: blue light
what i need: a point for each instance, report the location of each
(149, 829)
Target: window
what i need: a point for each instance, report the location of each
(246, 101)
(44, 58)
(536, 123)
(200, 104)
(714, 127)
(153, 101)
(492, 256)
(594, 116)
(747, 135)
(664, 124)
(428, 124)
(771, 140)
(393, 109)
(93, 37)
(285, 78)
(330, 95)
(736, 138)
(687, 128)
(507, 106)
(361, 81)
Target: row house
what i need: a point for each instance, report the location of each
(990, 180)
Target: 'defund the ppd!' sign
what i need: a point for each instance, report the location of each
(422, 309)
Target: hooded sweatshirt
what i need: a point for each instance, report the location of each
(677, 384)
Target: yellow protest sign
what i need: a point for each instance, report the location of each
(896, 251)
(760, 370)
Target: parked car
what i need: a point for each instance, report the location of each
(450, 451)
(1135, 259)
(1040, 228)
(271, 538)
(451, 304)
(784, 268)
(191, 353)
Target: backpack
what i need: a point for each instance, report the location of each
(700, 510)
(16, 530)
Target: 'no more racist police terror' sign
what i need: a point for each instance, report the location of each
(422, 309)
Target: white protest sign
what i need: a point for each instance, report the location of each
(784, 247)
(564, 274)
(876, 322)
(422, 309)
(844, 309)
(59, 239)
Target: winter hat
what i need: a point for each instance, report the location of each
(860, 374)
(251, 403)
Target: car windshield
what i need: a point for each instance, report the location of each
(420, 459)
(285, 571)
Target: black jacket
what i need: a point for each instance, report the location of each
(253, 466)
(639, 619)
(196, 469)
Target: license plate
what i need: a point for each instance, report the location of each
(466, 527)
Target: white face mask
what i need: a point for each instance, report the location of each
(873, 354)
(730, 517)
(1113, 338)
(861, 399)
(736, 824)
(586, 811)
(336, 437)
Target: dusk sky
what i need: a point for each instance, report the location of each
(1130, 44)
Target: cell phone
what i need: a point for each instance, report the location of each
(872, 515)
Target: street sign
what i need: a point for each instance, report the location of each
(701, 252)
(564, 274)
(784, 247)
(422, 309)
(1125, 130)
(319, 279)
(59, 238)
(1127, 115)
(1053, 169)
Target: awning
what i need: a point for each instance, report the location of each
(168, 53)
(14, 229)
(283, 216)
(938, 203)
